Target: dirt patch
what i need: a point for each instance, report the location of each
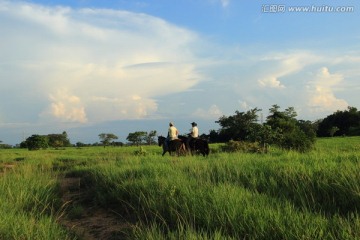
(87, 221)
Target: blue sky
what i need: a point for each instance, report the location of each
(88, 67)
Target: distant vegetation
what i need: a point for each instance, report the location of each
(280, 128)
(36, 142)
(340, 123)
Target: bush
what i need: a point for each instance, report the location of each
(242, 146)
(296, 140)
(36, 142)
(140, 152)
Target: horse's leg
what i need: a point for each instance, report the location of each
(164, 150)
(177, 151)
(184, 149)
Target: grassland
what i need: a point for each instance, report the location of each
(279, 195)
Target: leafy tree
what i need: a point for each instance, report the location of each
(281, 120)
(346, 122)
(137, 137)
(290, 133)
(150, 138)
(281, 128)
(265, 136)
(240, 126)
(59, 140)
(36, 142)
(106, 138)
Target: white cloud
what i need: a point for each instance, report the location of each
(271, 82)
(321, 92)
(66, 107)
(112, 64)
(213, 112)
(283, 65)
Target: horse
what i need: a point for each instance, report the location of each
(197, 146)
(176, 146)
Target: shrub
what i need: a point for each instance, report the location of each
(296, 140)
(242, 146)
(36, 142)
(140, 152)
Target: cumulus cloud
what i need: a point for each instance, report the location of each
(283, 65)
(271, 82)
(213, 112)
(66, 107)
(93, 64)
(321, 92)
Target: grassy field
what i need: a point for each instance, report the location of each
(279, 195)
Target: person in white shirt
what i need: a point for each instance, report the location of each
(193, 135)
(172, 133)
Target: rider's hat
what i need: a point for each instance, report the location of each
(194, 123)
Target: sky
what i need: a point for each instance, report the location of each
(89, 67)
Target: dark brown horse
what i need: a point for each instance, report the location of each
(197, 146)
(174, 146)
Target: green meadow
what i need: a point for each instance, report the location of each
(278, 195)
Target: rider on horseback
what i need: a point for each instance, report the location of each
(193, 135)
(172, 134)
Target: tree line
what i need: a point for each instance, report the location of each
(36, 142)
(279, 128)
(283, 129)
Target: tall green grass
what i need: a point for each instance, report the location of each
(282, 195)
(29, 204)
(279, 195)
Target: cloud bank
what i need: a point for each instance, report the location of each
(90, 65)
(65, 65)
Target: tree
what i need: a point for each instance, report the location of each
(137, 137)
(106, 138)
(4, 146)
(36, 142)
(281, 128)
(59, 140)
(150, 138)
(240, 126)
(290, 133)
(345, 122)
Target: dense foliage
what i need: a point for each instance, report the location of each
(340, 123)
(139, 137)
(36, 142)
(58, 140)
(107, 138)
(281, 128)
